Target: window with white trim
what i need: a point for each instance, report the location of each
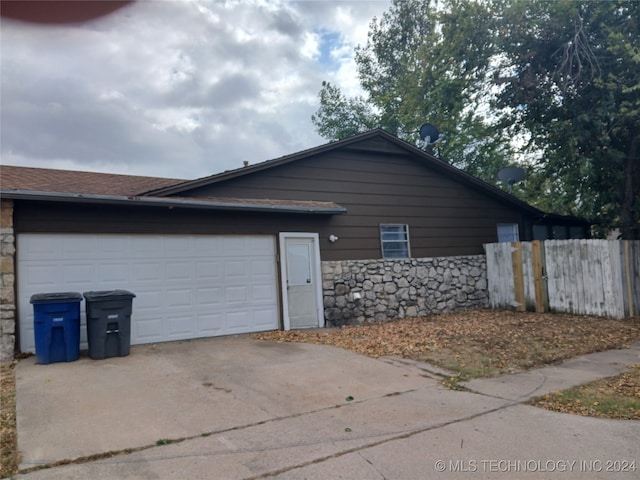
(508, 232)
(394, 239)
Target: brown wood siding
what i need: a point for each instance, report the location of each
(445, 217)
(376, 181)
(36, 217)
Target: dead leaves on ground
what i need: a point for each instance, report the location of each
(491, 342)
(8, 435)
(477, 343)
(613, 397)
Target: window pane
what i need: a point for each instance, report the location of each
(540, 232)
(508, 232)
(395, 250)
(394, 236)
(394, 240)
(560, 232)
(298, 264)
(576, 232)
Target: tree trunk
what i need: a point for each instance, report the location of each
(630, 230)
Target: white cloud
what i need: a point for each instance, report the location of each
(181, 89)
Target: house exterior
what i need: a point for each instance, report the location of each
(367, 227)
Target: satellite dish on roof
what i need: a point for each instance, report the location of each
(429, 133)
(511, 176)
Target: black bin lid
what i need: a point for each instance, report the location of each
(108, 295)
(57, 297)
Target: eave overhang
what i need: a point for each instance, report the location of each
(219, 203)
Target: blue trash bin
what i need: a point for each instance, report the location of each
(56, 322)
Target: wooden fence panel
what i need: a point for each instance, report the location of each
(586, 277)
(528, 277)
(500, 275)
(630, 259)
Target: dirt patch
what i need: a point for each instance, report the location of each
(9, 458)
(479, 343)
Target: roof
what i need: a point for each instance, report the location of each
(68, 181)
(44, 184)
(351, 142)
(64, 185)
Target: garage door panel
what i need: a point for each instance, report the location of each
(210, 297)
(110, 246)
(261, 267)
(149, 299)
(182, 326)
(236, 246)
(177, 299)
(44, 276)
(236, 294)
(178, 246)
(257, 245)
(110, 274)
(209, 271)
(148, 272)
(238, 322)
(263, 318)
(38, 248)
(185, 286)
(262, 294)
(179, 271)
(146, 247)
(211, 247)
(147, 330)
(211, 324)
(236, 270)
(77, 275)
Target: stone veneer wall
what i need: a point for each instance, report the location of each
(7, 282)
(389, 289)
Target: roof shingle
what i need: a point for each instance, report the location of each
(67, 181)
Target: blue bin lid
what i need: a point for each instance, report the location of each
(108, 295)
(58, 297)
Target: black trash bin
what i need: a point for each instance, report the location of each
(56, 326)
(108, 323)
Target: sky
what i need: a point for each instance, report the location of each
(176, 88)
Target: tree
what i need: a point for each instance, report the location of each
(562, 77)
(340, 117)
(401, 68)
(571, 77)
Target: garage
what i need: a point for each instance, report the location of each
(186, 286)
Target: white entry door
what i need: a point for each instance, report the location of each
(301, 280)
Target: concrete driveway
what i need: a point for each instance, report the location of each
(239, 408)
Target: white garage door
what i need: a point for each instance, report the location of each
(186, 286)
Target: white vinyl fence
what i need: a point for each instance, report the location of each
(587, 277)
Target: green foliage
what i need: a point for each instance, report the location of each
(554, 86)
(570, 73)
(340, 117)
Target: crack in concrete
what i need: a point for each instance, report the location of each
(380, 442)
(172, 441)
(520, 399)
(398, 435)
(382, 475)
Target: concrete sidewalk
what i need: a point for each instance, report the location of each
(521, 387)
(239, 408)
